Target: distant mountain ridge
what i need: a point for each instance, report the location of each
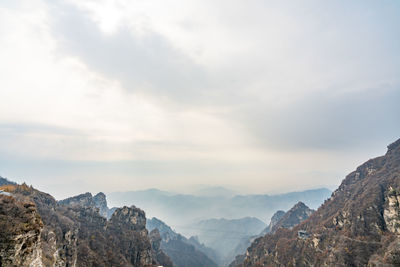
(185, 209)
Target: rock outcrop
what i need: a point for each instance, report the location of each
(274, 220)
(291, 218)
(41, 232)
(87, 200)
(357, 226)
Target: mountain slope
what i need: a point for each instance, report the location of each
(297, 214)
(274, 220)
(358, 226)
(177, 247)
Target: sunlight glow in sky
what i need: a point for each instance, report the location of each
(258, 96)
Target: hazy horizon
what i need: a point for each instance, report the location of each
(256, 96)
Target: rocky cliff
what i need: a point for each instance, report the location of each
(20, 243)
(274, 220)
(87, 200)
(42, 232)
(357, 226)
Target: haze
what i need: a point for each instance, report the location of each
(257, 96)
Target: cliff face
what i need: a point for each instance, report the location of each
(357, 226)
(275, 219)
(87, 200)
(291, 218)
(20, 243)
(74, 234)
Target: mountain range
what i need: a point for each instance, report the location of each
(358, 225)
(182, 211)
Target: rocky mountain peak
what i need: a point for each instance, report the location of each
(88, 200)
(298, 213)
(130, 217)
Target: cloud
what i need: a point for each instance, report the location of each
(252, 93)
(143, 63)
(329, 120)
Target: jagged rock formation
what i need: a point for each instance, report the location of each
(101, 203)
(177, 247)
(56, 234)
(274, 220)
(87, 200)
(297, 214)
(293, 217)
(357, 226)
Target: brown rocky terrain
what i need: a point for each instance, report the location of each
(38, 231)
(297, 214)
(20, 226)
(358, 226)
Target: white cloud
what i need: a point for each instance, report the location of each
(203, 84)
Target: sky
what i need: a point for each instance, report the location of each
(257, 96)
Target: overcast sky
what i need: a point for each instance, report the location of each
(259, 96)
